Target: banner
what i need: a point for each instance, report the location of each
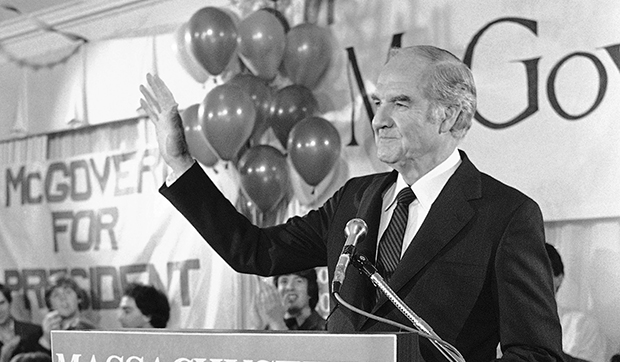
(100, 218)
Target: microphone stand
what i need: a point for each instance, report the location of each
(364, 265)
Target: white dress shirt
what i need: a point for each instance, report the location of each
(426, 190)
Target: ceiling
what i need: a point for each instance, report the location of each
(27, 7)
(24, 36)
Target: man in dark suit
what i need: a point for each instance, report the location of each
(472, 261)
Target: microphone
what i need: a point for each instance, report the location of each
(355, 229)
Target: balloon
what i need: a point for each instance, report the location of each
(314, 148)
(227, 117)
(315, 196)
(198, 145)
(261, 94)
(307, 55)
(264, 176)
(261, 43)
(290, 105)
(182, 51)
(213, 37)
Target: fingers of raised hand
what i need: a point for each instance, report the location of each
(150, 100)
(149, 112)
(161, 91)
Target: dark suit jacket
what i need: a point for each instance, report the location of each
(476, 271)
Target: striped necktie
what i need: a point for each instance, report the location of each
(390, 246)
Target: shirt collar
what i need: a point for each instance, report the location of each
(428, 187)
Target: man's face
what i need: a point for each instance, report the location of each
(65, 300)
(5, 309)
(294, 292)
(404, 125)
(130, 315)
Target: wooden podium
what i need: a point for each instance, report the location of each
(231, 346)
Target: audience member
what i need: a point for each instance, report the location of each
(292, 305)
(16, 336)
(581, 336)
(65, 300)
(143, 306)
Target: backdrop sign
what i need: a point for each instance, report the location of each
(100, 218)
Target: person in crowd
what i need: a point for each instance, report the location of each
(65, 300)
(293, 307)
(143, 306)
(582, 339)
(464, 251)
(16, 336)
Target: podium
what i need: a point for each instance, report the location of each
(161, 345)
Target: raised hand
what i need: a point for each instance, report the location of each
(162, 109)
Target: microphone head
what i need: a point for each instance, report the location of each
(356, 227)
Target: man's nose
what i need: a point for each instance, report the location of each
(382, 118)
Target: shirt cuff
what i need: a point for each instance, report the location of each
(172, 176)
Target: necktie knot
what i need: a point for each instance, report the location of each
(405, 196)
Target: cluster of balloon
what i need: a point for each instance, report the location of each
(314, 148)
(232, 118)
(264, 176)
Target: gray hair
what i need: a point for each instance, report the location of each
(449, 83)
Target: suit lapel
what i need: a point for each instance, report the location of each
(358, 289)
(447, 216)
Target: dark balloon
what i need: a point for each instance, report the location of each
(182, 50)
(261, 95)
(308, 54)
(264, 176)
(261, 43)
(314, 147)
(227, 117)
(213, 36)
(290, 105)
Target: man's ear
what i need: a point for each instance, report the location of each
(449, 117)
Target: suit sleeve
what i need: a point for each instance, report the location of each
(529, 324)
(298, 244)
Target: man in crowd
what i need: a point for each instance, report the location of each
(16, 336)
(293, 304)
(65, 300)
(461, 249)
(143, 306)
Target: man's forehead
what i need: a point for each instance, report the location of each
(401, 74)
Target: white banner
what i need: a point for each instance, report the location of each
(100, 218)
